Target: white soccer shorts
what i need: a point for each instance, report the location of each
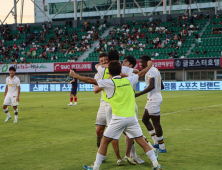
(10, 101)
(153, 107)
(101, 115)
(129, 125)
(108, 110)
(136, 110)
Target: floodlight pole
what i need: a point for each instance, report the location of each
(164, 6)
(118, 8)
(124, 6)
(139, 7)
(41, 10)
(81, 9)
(9, 13)
(197, 6)
(218, 4)
(189, 8)
(170, 3)
(75, 9)
(155, 8)
(215, 7)
(21, 14)
(15, 12)
(96, 9)
(108, 8)
(61, 9)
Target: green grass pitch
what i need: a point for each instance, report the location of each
(50, 135)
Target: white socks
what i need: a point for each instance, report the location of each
(7, 112)
(133, 150)
(99, 160)
(16, 116)
(161, 142)
(152, 157)
(153, 135)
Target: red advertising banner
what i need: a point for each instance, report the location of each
(221, 61)
(82, 66)
(159, 64)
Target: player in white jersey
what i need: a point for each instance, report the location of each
(154, 85)
(120, 92)
(12, 92)
(101, 115)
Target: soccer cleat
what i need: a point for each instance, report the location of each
(88, 167)
(156, 146)
(15, 121)
(159, 167)
(156, 151)
(162, 150)
(138, 160)
(119, 162)
(70, 104)
(7, 118)
(75, 104)
(129, 160)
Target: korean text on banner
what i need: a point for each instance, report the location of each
(64, 67)
(159, 64)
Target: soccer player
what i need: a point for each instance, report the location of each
(154, 85)
(104, 74)
(73, 90)
(101, 114)
(12, 93)
(122, 98)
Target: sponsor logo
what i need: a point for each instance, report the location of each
(178, 63)
(4, 68)
(57, 67)
(42, 66)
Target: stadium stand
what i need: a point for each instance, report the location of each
(47, 43)
(197, 36)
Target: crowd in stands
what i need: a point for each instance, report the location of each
(47, 42)
(153, 34)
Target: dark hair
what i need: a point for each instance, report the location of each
(131, 59)
(103, 55)
(74, 70)
(113, 55)
(145, 58)
(12, 68)
(114, 68)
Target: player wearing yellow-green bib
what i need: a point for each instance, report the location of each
(120, 93)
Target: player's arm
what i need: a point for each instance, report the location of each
(162, 86)
(97, 89)
(6, 91)
(83, 78)
(17, 99)
(148, 89)
(73, 80)
(145, 70)
(135, 71)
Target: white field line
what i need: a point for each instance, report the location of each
(67, 100)
(188, 110)
(192, 130)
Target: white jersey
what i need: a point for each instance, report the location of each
(127, 70)
(13, 85)
(154, 94)
(97, 77)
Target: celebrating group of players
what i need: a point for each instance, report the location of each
(118, 110)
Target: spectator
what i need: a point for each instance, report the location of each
(182, 57)
(205, 52)
(150, 19)
(179, 43)
(197, 52)
(156, 54)
(175, 54)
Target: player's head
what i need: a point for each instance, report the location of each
(74, 70)
(113, 55)
(103, 58)
(143, 61)
(129, 61)
(114, 68)
(12, 71)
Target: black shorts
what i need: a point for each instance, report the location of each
(74, 91)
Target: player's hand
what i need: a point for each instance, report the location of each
(72, 73)
(17, 99)
(4, 97)
(137, 95)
